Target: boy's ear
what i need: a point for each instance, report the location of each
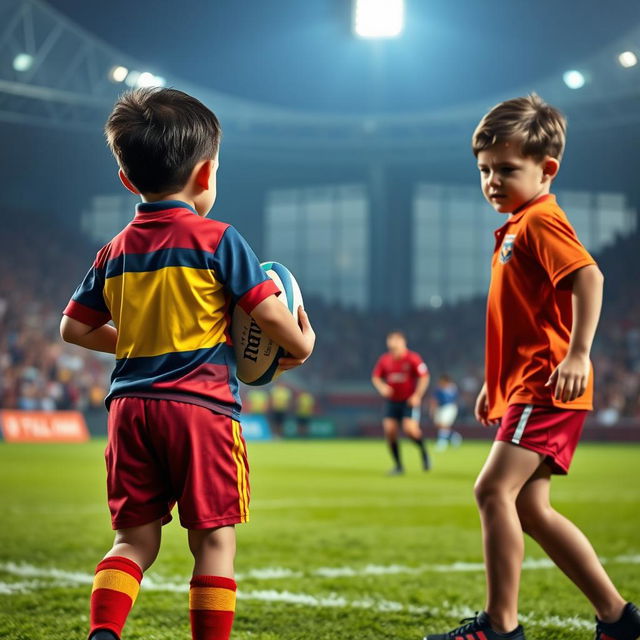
(127, 183)
(203, 174)
(550, 167)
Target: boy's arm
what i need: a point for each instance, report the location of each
(571, 376)
(278, 324)
(101, 338)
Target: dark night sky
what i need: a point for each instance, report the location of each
(301, 54)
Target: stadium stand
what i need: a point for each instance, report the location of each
(40, 263)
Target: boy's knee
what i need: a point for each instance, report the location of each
(487, 492)
(221, 540)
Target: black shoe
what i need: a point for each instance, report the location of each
(478, 628)
(627, 628)
(104, 634)
(396, 471)
(426, 464)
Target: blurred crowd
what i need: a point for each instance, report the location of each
(38, 271)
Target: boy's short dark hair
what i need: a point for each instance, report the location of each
(396, 332)
(539, 127)
(158, 135)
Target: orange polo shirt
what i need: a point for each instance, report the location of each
(529, 313)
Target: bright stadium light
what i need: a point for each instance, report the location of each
(628, 59)
(574, 79)
(378, 18)
(23, 62)
(118, 74)
(145, 79)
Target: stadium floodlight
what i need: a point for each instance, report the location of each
(628, 59)
(145, 79)
(23, 62)
(574, 79)
(378, 18)
(132, 79)
(118, 74)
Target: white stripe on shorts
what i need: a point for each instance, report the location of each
(526, 412)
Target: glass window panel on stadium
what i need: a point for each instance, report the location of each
(322, 234)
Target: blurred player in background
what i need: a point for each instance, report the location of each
(444, 411)
(305, 408)
(280, 407)
(402, 378)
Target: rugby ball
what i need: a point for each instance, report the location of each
(256, 355)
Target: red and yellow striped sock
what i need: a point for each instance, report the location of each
(115, 589)
(212, 604)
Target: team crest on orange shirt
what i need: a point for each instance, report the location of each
(506, 250)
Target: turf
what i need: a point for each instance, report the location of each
(334, 549)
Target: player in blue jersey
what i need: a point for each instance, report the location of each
(444, 411)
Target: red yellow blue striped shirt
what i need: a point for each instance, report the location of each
(169, 281)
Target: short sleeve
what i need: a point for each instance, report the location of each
(420, 368)
(239, 270)
(555, 245)
(378, 370)
(87, 305)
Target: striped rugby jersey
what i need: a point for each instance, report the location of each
(169, 281)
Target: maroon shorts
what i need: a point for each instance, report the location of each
(161, 452)
(550, 431)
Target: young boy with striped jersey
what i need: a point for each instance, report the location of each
(169, 281)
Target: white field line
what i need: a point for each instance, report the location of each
(157, 583)
(332, 601)
(279, 573)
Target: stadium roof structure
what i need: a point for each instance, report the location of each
(55, 73)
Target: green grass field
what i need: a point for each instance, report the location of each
(334, 548)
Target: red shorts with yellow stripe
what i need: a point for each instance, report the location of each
(163, 452)
(550, 431)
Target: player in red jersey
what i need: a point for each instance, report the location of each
(402, 377)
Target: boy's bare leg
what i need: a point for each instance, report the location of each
(506, 470)
(140, 544)
(567, 546)
(213, 550)
(212, 594)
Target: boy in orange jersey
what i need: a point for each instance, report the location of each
(169, 281)
(542, 311)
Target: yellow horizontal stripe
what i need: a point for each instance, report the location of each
(166, 311)
(212, 598)
(117, 580)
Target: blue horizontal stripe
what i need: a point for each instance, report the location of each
(140, 374)
(155, 260)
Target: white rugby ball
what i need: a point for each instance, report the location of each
(256, 355)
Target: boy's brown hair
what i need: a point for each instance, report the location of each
(539, 127)
(159, 135)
